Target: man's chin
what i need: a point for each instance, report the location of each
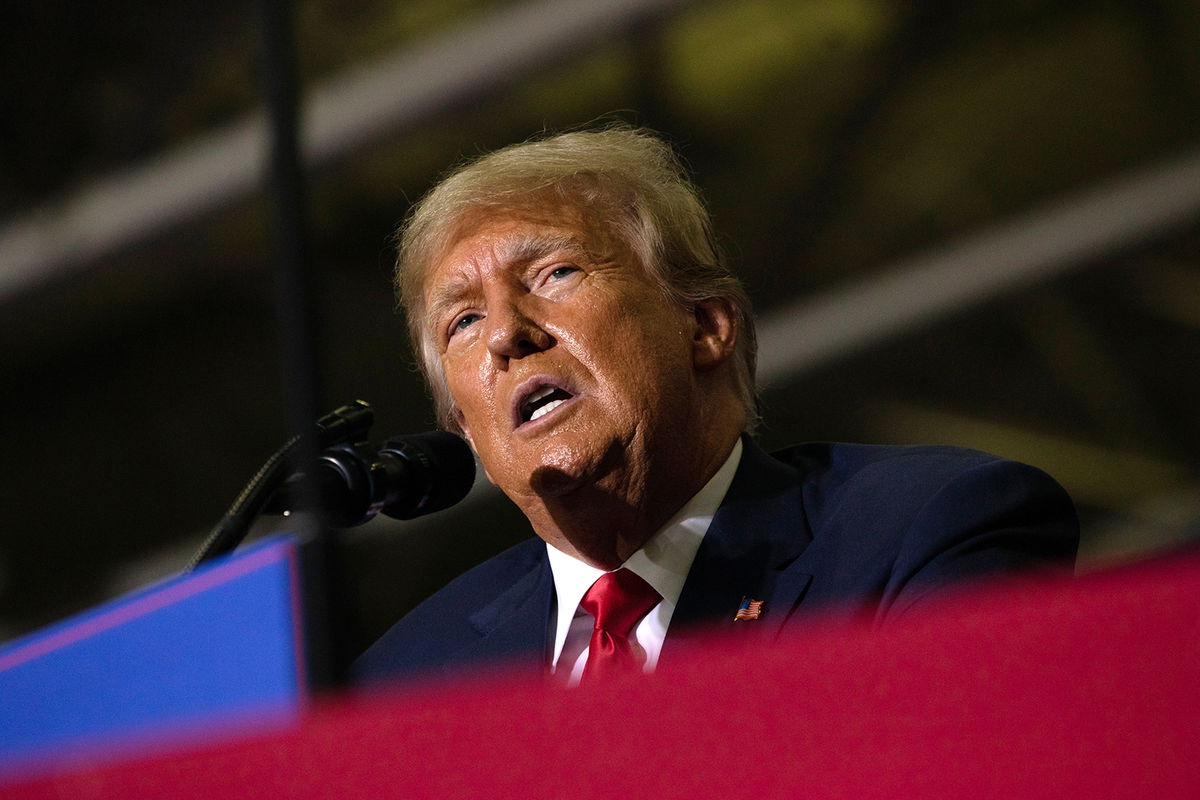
(548, 482)
(567, 467)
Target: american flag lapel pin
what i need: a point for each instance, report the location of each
(748, 609)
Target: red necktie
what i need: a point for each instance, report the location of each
(617, 600)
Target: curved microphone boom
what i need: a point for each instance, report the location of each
(407, 477)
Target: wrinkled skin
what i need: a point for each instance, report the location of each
(522, 302)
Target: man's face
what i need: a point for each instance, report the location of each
(567, 365)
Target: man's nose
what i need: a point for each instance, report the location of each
(512, 333)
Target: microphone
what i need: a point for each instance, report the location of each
(426, 472)
(408, 476)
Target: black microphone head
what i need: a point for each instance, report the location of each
(431, 471)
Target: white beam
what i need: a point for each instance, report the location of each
(342, 114)
(1035, 247)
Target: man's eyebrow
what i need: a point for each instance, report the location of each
(530, 248)
(517, 254)
(447, 295)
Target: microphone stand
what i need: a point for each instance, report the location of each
(346, 424)
(326, 599)
(327, 612)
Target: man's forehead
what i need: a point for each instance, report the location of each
(508, 242)
(522, 234)
(520, 245)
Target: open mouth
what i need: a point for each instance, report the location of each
(541, 402)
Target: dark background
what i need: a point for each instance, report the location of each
(837, 143)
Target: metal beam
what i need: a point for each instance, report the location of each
(408, 87)
(343, 114)
(1045, 243)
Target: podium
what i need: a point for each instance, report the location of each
(1066, 689)
(228, 646)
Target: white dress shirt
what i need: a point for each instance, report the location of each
(663, 562)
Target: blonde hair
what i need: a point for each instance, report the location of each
(623, 179)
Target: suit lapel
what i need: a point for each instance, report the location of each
(513, 626)
(750, 551)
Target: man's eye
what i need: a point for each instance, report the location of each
(463, 322)
(561, 272)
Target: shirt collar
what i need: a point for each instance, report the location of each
(663, 562)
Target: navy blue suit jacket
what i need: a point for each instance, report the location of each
(858, 532)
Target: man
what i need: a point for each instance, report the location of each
(578, 325)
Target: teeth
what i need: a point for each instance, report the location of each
(546, 409)
(539, 394)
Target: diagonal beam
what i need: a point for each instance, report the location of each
(343, 114)
(1084, 468)
(1068, 234)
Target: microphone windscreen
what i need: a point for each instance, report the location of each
(438, 470)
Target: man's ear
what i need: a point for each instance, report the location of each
(466, 434)
(461, 423)
(715, 333)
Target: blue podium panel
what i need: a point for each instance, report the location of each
(210, 650)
